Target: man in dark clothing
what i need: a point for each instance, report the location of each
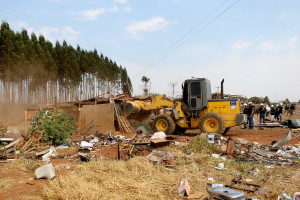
(273, 112)
(277, 112)
(251, 115)
(245, 112)
(262, 113)
(292, 109)
(286, 109)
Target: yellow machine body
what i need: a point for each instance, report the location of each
(196, 109)
(224, 108)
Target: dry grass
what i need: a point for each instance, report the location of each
(67, 151)
(4, 183)
(22, 164)
(139, 179)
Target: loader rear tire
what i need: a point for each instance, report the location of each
(212, 123)
(164, 123)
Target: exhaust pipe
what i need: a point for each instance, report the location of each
(222, 91)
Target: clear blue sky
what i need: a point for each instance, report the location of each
(253, 44)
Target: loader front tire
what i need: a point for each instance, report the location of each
(212, 123)
(164, 123)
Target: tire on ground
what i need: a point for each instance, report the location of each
(164, 123)
(212, 123)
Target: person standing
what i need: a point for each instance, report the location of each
(250, 115)
(246, 112)
(262, 113)
(277, 111)
(273, 111)
(292, 109)
(286, 109)
(280, 112)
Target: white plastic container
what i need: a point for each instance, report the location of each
(296, 196)
(47, 171)
(210, 138)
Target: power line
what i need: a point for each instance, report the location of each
(181, 38)
(174, 48)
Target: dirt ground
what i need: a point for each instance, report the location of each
(21, 184)
(265, 135)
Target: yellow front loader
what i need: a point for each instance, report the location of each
(195, 110)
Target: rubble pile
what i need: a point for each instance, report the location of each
(243, 150)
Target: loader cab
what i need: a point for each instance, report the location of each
(196, 92)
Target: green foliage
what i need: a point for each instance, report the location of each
(267, 100)
(242, 166)
(57, 127)
(256, 100)
(200, 145)
(287, 101)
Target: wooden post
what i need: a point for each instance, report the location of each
(119, 157)
(15, 151)
(230, 147)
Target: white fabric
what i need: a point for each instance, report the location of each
(158, 135)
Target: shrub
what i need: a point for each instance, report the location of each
(55, 125)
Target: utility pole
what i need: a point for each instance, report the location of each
(172, 85)
(147, 85)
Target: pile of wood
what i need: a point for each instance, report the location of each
(22, 143)
(124, 125)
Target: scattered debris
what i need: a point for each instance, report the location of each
(156, 157)
(289, 136)
(184, 188)
(46, 171)
(196, 195)
(86, 145)
(225, 193)
(284, 196)
(52, 153)
(160, 142)
(85, 157)
(158, 135)
(29, 182)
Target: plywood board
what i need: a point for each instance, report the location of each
(100, 115)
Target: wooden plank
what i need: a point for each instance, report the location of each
(141, 141)
(27, 144)
(11, 144)
(21, 143)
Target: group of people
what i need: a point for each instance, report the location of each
(290, 109)
(276, 113)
